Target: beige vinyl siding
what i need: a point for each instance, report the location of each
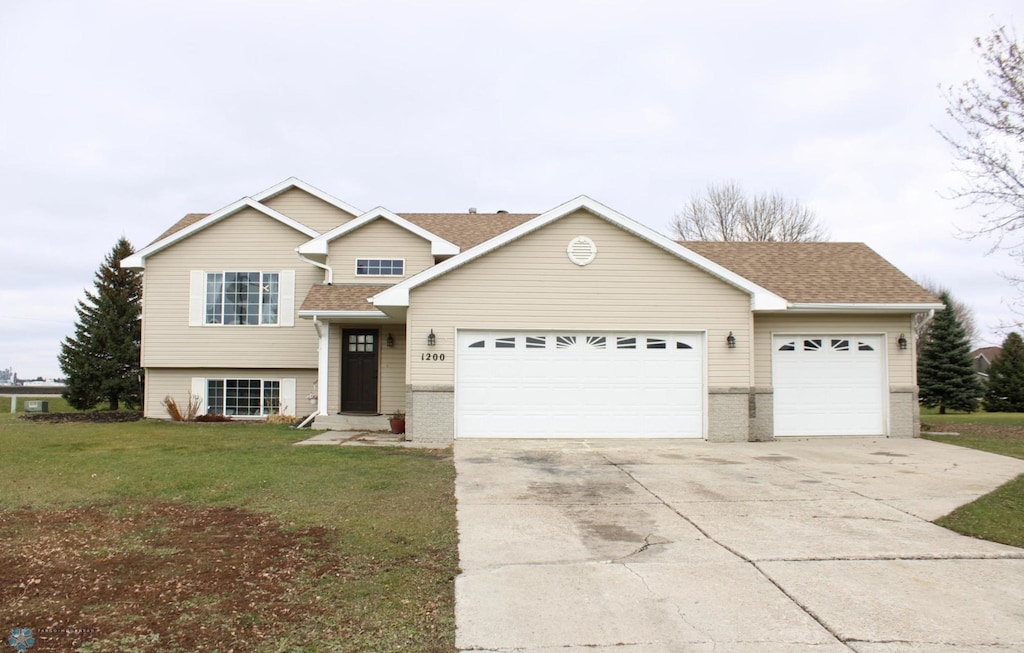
(246, 241)
(391, 378)
(311, 211)
(177, 384)
(531, 284)
(378, 239)
(392, 370)
(902, 369)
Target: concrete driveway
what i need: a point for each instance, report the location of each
(801, 545)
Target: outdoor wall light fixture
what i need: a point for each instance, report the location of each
(731, 340)
(431, 339)
(390, 341)
(902, 341)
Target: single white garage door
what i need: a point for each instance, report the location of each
(828, 385)
(579, 385)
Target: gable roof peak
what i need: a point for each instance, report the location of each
(295, 182)
(138, 259)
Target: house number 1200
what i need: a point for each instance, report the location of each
(431, 357)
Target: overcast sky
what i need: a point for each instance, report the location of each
(117, 118)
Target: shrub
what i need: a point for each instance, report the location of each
(175, 411)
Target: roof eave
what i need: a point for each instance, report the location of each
(138, 259)
(295, 182)
(761, 298)
(864, 307)
(312, 314)
(438, 246)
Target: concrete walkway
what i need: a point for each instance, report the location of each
(820, 546)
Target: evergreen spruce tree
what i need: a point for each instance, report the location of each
(1005, 393)
(102, 360)
(945, 375)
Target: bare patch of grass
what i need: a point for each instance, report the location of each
(230, 534)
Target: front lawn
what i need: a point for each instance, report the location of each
(999, 515)
(153, 536)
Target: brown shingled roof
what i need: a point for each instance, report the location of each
(467, 229)
(805, 273)
(189, 219)
(340, 297)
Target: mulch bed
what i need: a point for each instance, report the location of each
(98, 417)
(158, 577)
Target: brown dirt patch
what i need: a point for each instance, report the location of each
(158, 577)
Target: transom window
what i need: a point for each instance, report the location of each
(361, 342)
(243, 397)
(380, 267)
(246, 298)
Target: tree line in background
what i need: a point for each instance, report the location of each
(946, 376)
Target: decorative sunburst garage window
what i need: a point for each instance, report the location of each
(581, 342)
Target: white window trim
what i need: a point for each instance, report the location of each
(286, 394)
(285, 299)
(378, 258)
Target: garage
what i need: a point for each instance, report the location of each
(568, 384)
(829, 385)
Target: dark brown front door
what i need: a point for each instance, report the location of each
(359, 370)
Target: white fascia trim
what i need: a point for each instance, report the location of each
(438, 246)
(295, 182)
(347, 315)
(865, 308)
(138, 259)
(761, 298)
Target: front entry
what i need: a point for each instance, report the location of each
(359, 369)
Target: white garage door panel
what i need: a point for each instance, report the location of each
(828, 385)
(579, 385)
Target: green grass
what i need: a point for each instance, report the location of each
(57, 405)
(931, 416)
(390, 511)
(999, 515)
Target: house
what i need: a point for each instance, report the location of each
(983, 358)
(575, 322)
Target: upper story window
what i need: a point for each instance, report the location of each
(380, 267)
(246, 298)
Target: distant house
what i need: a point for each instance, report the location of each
(983, 359)
(575, 322)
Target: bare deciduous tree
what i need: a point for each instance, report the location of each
(964, 314)
(724, 212)
(990, 140)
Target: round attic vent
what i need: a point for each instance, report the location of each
(581, 250)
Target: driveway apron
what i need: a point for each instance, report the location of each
(820, 545)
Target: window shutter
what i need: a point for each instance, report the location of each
(199, 390)
(286, 300)
(197, 298)
(288, 397)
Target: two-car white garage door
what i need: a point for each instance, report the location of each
(579, 384)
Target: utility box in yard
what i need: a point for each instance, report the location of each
(37, 406)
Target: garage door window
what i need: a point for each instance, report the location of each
(816, 344)
(569, 384)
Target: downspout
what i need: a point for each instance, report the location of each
(322, 266)
(312, 416)
(323, 333)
